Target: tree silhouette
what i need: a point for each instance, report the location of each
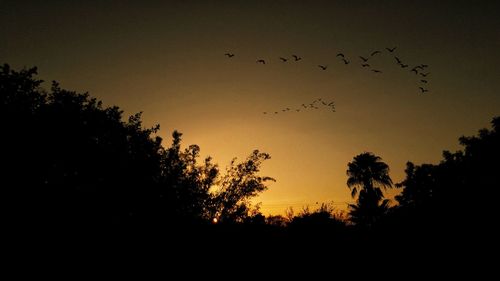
(437, 195)
(367, 174)
(185, 184)
(70, 161)
(230, 202)
(419, 185)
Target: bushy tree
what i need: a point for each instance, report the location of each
(230, 200)
(67, 157)
(69, 160)
(185, 184)
(456, 191)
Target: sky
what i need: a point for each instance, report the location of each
(166, 59)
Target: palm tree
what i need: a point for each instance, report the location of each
(367, 175)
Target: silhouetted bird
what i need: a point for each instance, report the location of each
(229, 55)
(283, 59)
(276, 112)
(414, 70)
(423, 90)
(403, 65)
(424, 65)
(423, 81)
(297, 58)
(424, 74)
(391, 50)
(363, 58)
(345, 61)
(265, 112)
(340, 55)
(365, 65)
(297, 110)
(261, 61)
(324, 67)
(376, 71)
(398, 60)
(374, 53)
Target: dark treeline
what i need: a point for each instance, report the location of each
(70, 164)
(69, 160)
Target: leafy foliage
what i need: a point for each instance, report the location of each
(240, 183)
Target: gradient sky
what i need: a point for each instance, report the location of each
(166, 58)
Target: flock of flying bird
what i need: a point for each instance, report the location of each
(315, 104)
(421, 70)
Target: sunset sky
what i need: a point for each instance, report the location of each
(166, 58)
